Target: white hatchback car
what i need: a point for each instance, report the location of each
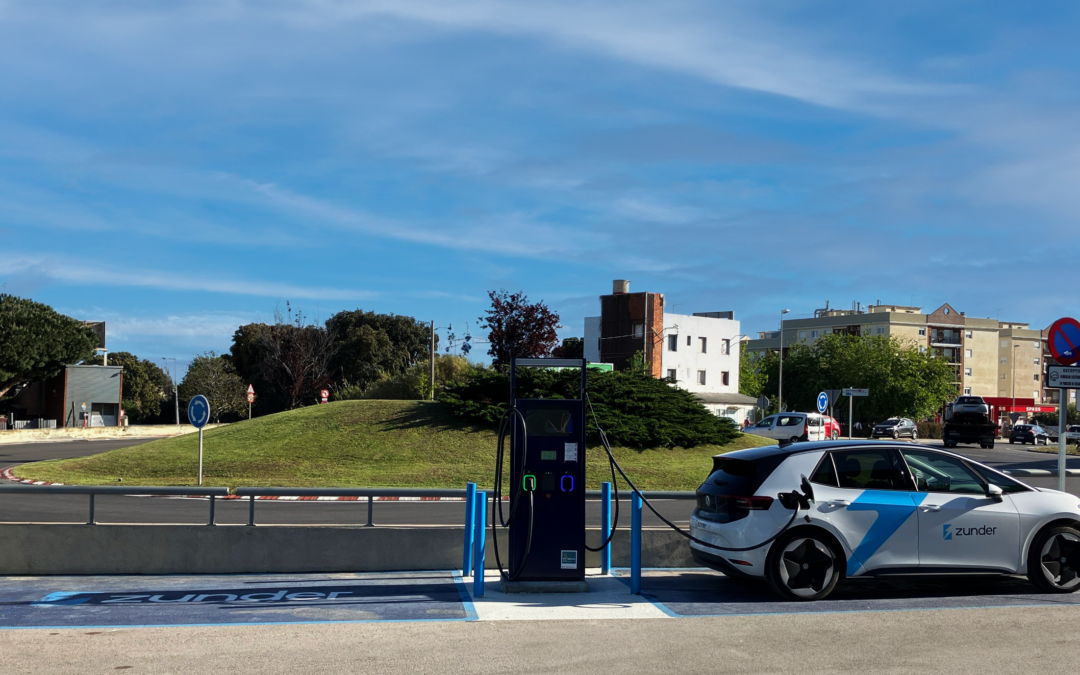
(877, 508)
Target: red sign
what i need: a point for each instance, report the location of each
(324, 393)
(251, 397)
(1063, 340)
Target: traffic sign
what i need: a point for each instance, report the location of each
(1063, 339)
(822, 402)
(851, 391)
(251, 390)
(251, 397)
(1063, 377)
(198, 411)
(763, 402)
(325, 395)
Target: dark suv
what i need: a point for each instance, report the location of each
(896, 427)
(1029, 433)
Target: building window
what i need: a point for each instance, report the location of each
(1036, 377)
(967, 353)
(1003, 376)
(1036, 345)
(880, 330)
(1004, 359)
(802, 335)
(701, 377)
(673, 343)
(1004, 344)
(725, 378)
(967, 334)
(725, 347)
(639, 330)
(1036, 361)
(967, 391)
(1034, 394)
(813, 333)
(702, 345)
(922, 349)
(688, 340)
(671, 375)
(967, 371)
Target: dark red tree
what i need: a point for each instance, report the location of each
(517, 327)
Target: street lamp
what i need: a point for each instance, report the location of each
(175, 388)
(1012, 410)
(780, 387)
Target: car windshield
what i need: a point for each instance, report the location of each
(969, 399)
(1021, 427)
(891, 422)
(1074, 429)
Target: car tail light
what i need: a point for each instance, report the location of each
(753, 503)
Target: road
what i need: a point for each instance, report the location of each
(74, 508)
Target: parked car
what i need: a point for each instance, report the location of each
(1072, 434)
(792, 427)
(1029, 433)
(970, 404)
(896, 427)
(832, 428)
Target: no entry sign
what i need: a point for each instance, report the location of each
(1064, 341)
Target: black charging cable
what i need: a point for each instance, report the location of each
(800, 499)
(506, 423)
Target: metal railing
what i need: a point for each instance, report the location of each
(133, 491)
(369, 493)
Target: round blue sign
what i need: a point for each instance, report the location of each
(822, 402)
(1064, 341)
(198, 411)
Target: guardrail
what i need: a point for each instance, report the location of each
(133, 491)
(369, 493)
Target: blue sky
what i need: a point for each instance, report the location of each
(179, 168)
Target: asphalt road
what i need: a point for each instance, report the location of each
(74, 508)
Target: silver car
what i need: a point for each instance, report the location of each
(970, 404)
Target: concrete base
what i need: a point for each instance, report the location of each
(544, 586)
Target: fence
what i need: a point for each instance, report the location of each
(38, 423)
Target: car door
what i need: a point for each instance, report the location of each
(959, 525)
(764, 427)
(864, 494)
(909, 428)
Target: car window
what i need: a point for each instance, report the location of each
(766, 423)
(789, 421)
(867, 469)
(1074, 429)
(940, 473)
(826, 472)
(891, 421)
(1021, 427)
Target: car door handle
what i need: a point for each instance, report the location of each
(838, 502)
(930, 508)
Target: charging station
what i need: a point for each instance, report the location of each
(547, 476)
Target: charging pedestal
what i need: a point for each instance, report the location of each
(547, 474)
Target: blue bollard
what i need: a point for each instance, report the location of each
(605, 518)
(480, 513)
(466, 558)
(635, 545)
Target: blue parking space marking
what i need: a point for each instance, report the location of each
(128, 601)
(706, 593)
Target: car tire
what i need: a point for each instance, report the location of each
(1011, 441)
(914, 434)
(803, 565)
(793, 439)
(895, 434)
(835, 434)
(1054, 560)
(949, 444)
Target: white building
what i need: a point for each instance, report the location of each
(698, 352)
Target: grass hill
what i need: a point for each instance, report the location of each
(351, 444)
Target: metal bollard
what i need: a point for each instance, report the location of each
(635, 545)
(251, 510)
(480, 511)
(370, 512)
(92, 520)
(605, 519)
(466, 558)
(211, 511)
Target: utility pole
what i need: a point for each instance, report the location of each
(780, 387)
(1012, 410)
(176, 387)
(431, 382)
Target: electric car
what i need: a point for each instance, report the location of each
(805, 516)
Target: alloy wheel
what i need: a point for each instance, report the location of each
(806, 566)
(1060, 560)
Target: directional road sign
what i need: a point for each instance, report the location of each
(822, 402)
(1063, 377)
(850, 391)
(763, 402)
(1063, 339)
(198, 411)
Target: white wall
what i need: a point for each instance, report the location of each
(592, 339)
(687, 360)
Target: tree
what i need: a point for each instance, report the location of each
(371, 346)
(296, 359)
(215, 378)
(1050, 420)
(146, 386)
(902, 380)
(518, 328)
(753, 372)
(36, 342)
(571, 348)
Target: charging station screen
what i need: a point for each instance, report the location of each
(549, 422)
(548, 455)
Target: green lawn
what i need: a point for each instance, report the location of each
(355, 443)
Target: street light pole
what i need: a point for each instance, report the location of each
(780, 387)
(175, 388)
(1013, 408)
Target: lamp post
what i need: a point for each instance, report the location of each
(780, 387)
(176, 388)
(1012, 410)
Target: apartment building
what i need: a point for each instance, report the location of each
(1002, 361)
(696, 352)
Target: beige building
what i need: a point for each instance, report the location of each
(1001, 361)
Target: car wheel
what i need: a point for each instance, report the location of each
(914, 434)
(793, 439)
(1054, 560)
(835, 434)
(1011, 441)
(803, 566)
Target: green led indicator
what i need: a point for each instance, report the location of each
(528, 482)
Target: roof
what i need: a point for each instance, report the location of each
(731, 398)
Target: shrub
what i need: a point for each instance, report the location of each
(634, 409)
(929, 429)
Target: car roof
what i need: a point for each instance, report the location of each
(812, 446)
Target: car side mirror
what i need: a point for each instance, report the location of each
(994, 492)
